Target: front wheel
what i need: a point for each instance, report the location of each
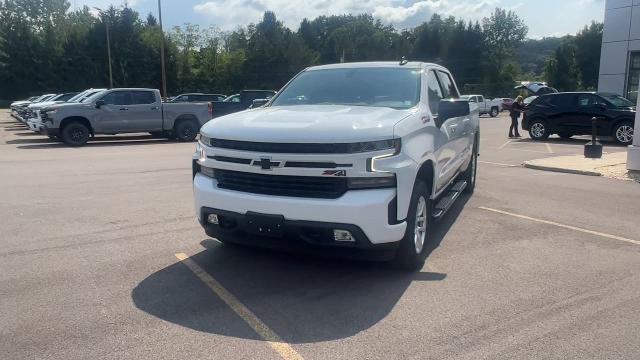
(472, 171)
(186, 131)
(623, 133)
(538, 130)
(412, 251)
(75, 134)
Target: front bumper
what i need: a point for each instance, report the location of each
(50, 131)
(365, 213)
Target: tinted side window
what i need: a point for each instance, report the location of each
(434, 92)
(448, 86)
(586, 100)
(143, 97)
(117, 98)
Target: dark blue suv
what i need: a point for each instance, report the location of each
(568, 114)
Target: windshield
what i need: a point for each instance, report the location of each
(383, 87)
(617, 100)
(91, 96)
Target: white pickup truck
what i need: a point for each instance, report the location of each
(488, 107)
(360, 157)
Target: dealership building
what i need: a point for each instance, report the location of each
(620, 59)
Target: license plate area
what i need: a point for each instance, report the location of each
(265, 225)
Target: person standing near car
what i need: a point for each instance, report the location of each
(516, 109)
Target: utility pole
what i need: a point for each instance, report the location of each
(106, 24)
(164, 76)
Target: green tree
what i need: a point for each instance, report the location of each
(504, 32)
(588, 45)
(561, 70)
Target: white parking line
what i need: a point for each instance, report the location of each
(498, 164)
(505, 144)
(575, 228)
(548, 148)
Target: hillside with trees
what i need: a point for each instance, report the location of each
(44, 46)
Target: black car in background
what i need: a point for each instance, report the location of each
(568, 114)
(196, 97)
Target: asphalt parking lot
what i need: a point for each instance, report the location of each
(101, 258)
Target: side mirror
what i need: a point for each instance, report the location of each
(601, 107)
(99, 104)
(452, 108)
(258, 103)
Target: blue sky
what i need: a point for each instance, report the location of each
(544, 17)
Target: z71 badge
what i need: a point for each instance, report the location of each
(335, 173)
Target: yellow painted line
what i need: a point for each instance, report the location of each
(575, 228)
(548, 148)
(284, 349)
(505, 144)
(499, 164)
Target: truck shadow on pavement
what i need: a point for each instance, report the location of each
(303, 299)
(578, 141)
(107, 141)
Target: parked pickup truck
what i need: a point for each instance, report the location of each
(490, 107)
(359, 157)
(123, 111)
(34, 120)
(243, 101)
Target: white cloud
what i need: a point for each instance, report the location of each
(228, 14)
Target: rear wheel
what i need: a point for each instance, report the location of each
(412, 251)
(623, 133)
(538, 130)
(75, 134)
(494, 112)
(186, 130)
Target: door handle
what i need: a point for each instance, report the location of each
(124, 109)
(154, 108)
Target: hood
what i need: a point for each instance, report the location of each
(42, 105)
(307, 124)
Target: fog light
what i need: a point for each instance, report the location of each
(212, 219)
(342, 235)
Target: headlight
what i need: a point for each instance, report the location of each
(204, 140)
(371, 182)
(370, 146)
(371, 162)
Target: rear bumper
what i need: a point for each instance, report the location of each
(364, 213)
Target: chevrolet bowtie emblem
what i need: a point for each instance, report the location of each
(266, 163)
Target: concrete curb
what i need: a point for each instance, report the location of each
(529, 165)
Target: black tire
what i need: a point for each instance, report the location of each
(494, 112)
(186, 131)
(565, 135)
(539, 129)
(410, 256)
(623, 133)
(75, 134)
(472, 171)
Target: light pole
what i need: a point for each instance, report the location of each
(164, 77)
(633, 153)
(106, 25)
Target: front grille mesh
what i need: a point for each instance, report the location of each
(282, 185)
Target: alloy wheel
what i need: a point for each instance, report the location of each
(420, 231)
(624, 134)
(537, 130)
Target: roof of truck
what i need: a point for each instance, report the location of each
(372, 64)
